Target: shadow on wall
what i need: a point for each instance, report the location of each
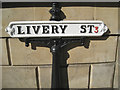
(63, 4)
(62, 53)
(63, 46)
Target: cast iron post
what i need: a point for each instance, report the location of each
(55, 66)
(56, 45)
(55, 12)
(55, 48)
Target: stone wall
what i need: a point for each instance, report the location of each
(92, 67)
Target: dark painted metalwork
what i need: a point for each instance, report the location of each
(56, 45)
(55, 11)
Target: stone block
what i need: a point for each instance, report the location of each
(101, 76)
(19, 77)
(0, 20)
(98, 51)
(3, 51)
(0, 77)
(115, 84)
(118, 76)
(109, 15)
(21, 55)
(78, 76)
(117, 70)
(45, 77)
(118, 20)
(118, 54)
(119, 63)
(78, 13)
(42, 13)
(16, 14)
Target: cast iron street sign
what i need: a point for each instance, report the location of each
(56, 28)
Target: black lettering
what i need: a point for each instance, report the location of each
(20, 31)
(45, 29)
(90, 28)
(28, 29)
(36, 29)
(63, 28)
(54, 29)
(84, 28)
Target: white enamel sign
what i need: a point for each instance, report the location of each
(56, 28)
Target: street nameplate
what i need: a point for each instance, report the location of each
(56, 28)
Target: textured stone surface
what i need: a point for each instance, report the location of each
(109, 16)
(15, 14)
(18, 77)
(115, 84)
(118, 19)
(98, 51)
(0, 20)
(42, 13)
(3, 50)
(45, 77)
(101, 76)
(22, 55)
(72, 13)
(0, 77)
(78, 13)
(78, 76)
(119, 64)
(119, 76)
(118, 51)
(117, 70)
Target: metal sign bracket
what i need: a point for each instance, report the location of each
(60, 36)
(56, 46)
